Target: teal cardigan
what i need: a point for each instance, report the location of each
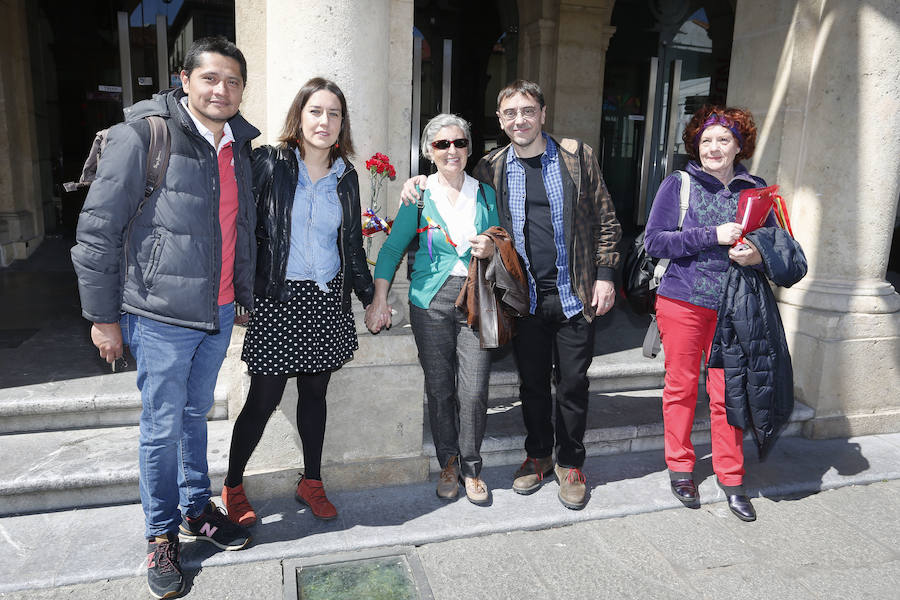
(429, 274)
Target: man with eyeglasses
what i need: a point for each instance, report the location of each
(553, 202)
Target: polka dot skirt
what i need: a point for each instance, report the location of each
(309, 333)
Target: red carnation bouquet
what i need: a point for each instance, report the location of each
(380, 168)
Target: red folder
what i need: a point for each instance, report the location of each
(754, 206)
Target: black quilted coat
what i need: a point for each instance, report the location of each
(275, 173)
(749, 342)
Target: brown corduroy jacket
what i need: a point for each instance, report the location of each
(592, 232)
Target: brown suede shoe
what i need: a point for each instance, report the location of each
(448, 482)
(531, 474)
(477, 490)
(572, 487)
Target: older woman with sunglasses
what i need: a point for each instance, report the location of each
(687, 303)
(456, 209)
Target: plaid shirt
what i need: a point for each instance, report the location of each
(515, 181)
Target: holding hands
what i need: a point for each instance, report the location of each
(378, 315)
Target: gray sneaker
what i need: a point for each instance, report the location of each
(448, 482)
(572, 487)
(530, 475)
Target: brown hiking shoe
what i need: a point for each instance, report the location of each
(448, 482)
(477, 490)
(531, 474)
(572, 487)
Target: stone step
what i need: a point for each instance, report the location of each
(94, 467)
(57, 470)
(618, 423)
(54, 470)
(97, 401)
(113, 399)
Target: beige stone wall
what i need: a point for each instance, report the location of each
(21, 217)
(822, 80)
(584, 34)
(368, 53)
(562, 46)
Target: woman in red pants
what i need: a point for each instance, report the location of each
(716, 139)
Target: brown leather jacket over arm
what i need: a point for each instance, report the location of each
(496, 292)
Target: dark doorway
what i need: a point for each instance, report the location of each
(77, 72)
(469, 51)
(665, 60)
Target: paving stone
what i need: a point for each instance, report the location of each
(492, 567)
(605, 558)
(674, 533)
(840, 583)
(750, 580)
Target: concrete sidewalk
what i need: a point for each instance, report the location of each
(633, 540)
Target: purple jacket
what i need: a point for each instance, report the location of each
(697, 271)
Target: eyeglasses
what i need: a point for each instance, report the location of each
(444, 144)
(527, 112)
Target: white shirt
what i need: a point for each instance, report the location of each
(227, 136)
(460, 218)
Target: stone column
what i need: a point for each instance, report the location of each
(821, 78)
(538, 31)
(584, 34)
(375, 417)
(21, 213)
(563, 47)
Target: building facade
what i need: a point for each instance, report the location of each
(822, 78)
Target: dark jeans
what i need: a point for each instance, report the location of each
(573, 338)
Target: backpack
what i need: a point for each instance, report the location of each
(641, 273)
(157, 158)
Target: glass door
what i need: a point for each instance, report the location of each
(657, 75)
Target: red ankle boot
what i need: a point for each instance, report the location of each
(311, 493)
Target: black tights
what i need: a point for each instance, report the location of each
(262, 400)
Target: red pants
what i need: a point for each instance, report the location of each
(687, 332)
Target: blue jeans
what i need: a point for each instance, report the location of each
(177, 369)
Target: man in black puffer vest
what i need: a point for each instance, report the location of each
(162, 275)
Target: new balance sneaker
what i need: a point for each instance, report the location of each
(237, 506)
(164, 577)
(214, 527)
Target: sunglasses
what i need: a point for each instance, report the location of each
(444, 144)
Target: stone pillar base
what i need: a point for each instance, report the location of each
(847, 367)
(882, 421)
(18, 239)
(373, 436)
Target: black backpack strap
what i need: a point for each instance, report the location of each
(420, 204)
(158, 154)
